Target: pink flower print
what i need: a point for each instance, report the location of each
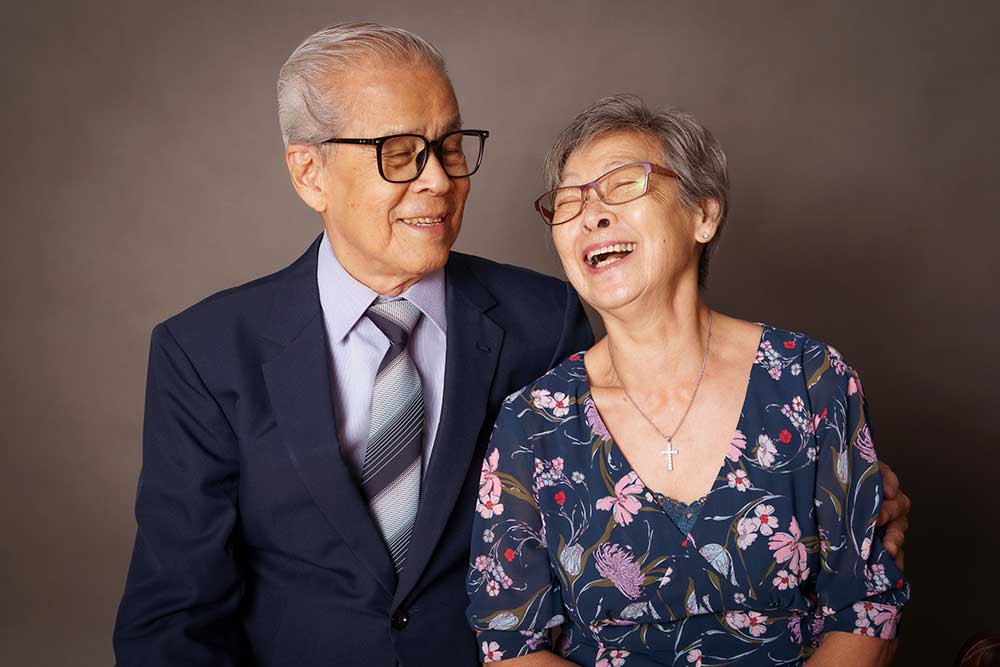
(557, 464)
(798, 404)
(785, 580)
(738, 480)
(765, 451)
(560, 404)
(694, 656)
(736, 446)
(613, 658)
(864, 627)
(482, 562)
(866, 548)
(489, 483)
(624, 502)
(795, 627)
(875, 579)
(542, 398)
(854, 385)
(492, 652)
(789, 548)
(887, 617)
(836, 361)
(488, 504)
(768, 522)
(746, 532)
(616, 565)
(532, 639)
(756, 623)
(492, 588)
(865, 445)
(737, 620)
(594, 420)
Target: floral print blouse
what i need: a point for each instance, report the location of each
(783, 548)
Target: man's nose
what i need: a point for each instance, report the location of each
(433, 178)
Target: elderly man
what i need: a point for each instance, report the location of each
(312, 439)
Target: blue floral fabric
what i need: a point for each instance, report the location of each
(781, 550)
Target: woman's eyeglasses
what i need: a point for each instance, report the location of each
(619, 186)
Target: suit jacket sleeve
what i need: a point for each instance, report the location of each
(183, 589)
(576, 332)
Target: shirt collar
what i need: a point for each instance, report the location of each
(344, 299)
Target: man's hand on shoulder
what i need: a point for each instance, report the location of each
(894, 514)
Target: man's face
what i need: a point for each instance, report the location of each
(389, 235)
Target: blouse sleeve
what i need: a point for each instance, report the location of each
(859, 588)
(514, 599)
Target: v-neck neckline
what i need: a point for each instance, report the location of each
(705, 500)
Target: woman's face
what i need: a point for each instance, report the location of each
(659, 229)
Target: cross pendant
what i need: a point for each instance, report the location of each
(669, 453)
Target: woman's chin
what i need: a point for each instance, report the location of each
(610, 301)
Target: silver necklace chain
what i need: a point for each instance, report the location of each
(697, 386)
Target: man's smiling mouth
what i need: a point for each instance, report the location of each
(422, 221)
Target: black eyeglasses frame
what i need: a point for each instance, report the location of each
(433, 145)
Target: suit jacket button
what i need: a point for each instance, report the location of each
(400, 619)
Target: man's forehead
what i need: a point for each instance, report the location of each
(431, 128)
(399, 99)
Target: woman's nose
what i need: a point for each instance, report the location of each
(595, 216)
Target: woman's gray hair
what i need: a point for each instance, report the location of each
(689, 149)
(308, 108)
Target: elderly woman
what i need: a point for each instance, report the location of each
(694, 489)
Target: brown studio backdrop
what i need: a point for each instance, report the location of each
(143, 171)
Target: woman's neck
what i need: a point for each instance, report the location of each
(649, 344)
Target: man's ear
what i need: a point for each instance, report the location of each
(306, 171)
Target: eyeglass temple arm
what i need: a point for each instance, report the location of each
(657, 169)
(365, 142)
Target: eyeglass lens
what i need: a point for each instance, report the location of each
(404, 157)
(619, 186)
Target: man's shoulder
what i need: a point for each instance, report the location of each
(238, 312)
(506, 279)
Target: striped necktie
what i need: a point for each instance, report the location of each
(390, 474)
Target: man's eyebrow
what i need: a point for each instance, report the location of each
(454, 123)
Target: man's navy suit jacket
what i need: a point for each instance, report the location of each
(254, 544)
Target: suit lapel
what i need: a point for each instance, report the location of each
(299, 386)
(473, 348)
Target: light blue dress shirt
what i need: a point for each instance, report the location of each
(357, 348)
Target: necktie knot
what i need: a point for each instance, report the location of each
(395, 319)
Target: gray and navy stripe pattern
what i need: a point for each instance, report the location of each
(390, 475)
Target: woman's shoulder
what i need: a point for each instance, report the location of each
(822, 367)
(553, 396)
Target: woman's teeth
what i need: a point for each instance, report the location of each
(421, 222)
(609, 254)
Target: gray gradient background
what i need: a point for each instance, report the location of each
(143, 171)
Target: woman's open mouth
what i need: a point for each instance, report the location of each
(607, 254)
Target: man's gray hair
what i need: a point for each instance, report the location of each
(309, 110)
(689, 149)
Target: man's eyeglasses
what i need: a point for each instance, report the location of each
(619, 186)
(402, 157)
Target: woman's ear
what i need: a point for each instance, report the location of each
(706, 222)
